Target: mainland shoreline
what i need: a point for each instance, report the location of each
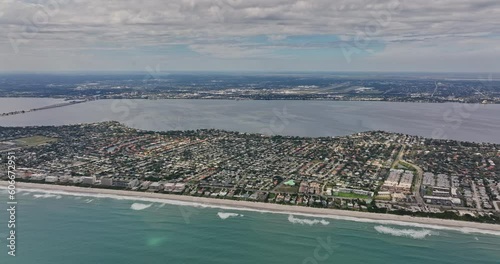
(271, 208)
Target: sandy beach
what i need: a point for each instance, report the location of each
(267, 207)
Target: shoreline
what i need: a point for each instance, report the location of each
(388, 219)
(274, 99)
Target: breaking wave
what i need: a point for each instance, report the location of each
(465, 230)
(139, 206)
(46, 195)
(413, 233)
(310, 222)
(223, 215)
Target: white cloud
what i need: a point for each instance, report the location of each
(228, 51)
(212, 27)
(276, 37)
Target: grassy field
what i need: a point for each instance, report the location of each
(34, 141)
(383, 197)
(351, 195)
(405, 166)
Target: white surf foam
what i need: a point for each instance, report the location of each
(310, 222)
(413, 233)
(465, 230)
(139, 206)
(224, 215)
(45, 196)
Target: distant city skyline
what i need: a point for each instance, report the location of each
(254, 35)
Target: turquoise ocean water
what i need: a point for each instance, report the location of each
(79, 229)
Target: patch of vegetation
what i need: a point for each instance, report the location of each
(288, 189)
(351, 195)
(405, 166)
(34, 141)
(383, 197)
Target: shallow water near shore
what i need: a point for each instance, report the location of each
(56, 228)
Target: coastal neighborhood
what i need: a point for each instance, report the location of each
(250, 132)
(372, 171)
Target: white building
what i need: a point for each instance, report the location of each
(90, 180)
(37, 177)
(107, 181)
(64, 178)
(155, 186)
(393, 178)
(145, 185)
(169, 186)
(179, 187)
(133, 183)
(51, 179)
(406, 181)
(429, 179)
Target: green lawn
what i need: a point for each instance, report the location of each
(351, 195)
(34, 141)
(405, 166)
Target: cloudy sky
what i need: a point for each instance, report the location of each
(254, 35)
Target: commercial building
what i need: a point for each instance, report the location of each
(107, 181)
(88, 180)
(405, 182)
(51, 179)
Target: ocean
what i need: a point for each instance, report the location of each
(55, 229)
